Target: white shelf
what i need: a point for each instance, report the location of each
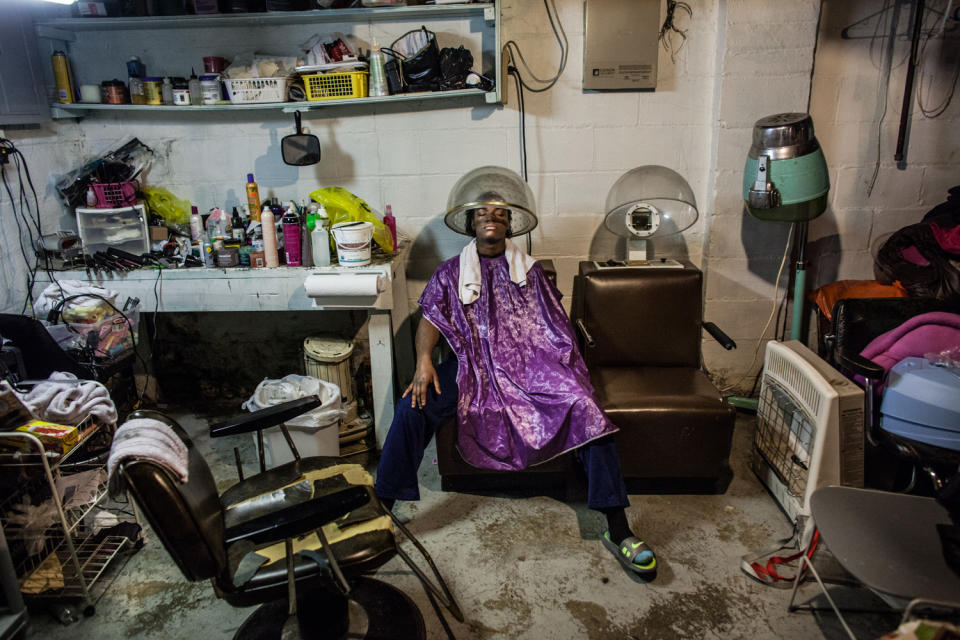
(80, 109)
(56, 29)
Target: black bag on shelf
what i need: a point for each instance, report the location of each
(419, 71)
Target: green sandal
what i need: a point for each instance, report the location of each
(633, 554)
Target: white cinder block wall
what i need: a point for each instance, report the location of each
(743, 59)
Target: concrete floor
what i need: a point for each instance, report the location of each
(525, 568)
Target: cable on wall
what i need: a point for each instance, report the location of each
(512, 50)
(669, 30)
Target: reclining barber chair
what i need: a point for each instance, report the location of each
(316, 529)
(891, 461)
(641, 333)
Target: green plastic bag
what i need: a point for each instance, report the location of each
(343, 206)
(172, 209)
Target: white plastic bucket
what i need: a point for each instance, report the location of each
(353, 242)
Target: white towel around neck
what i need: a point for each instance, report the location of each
(469, 284)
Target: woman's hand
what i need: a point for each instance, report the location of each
(423, 377)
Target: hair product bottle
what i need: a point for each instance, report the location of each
(291, 236)
(268, 223)
(253, 198)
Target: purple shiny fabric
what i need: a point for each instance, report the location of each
(524, 392)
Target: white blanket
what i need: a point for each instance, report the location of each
(469, 284)
(64, 399)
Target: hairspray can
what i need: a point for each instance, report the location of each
(291, 237)
(63, 77)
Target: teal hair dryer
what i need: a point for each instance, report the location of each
(785, 177)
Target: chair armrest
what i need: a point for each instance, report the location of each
(587, 338)
(247, 422)
(717, 334)
(298, 519)
(859, 365)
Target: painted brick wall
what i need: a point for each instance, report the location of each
(743, 59)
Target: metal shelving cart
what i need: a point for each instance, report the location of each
(62, 557)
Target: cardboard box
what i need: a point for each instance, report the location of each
(55, 437)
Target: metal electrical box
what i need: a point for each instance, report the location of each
(620, 44)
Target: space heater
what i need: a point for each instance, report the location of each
(809, 430)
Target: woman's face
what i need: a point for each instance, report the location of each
(491, 223)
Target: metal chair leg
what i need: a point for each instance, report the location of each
(805, 562)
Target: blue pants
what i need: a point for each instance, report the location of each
(412, 430)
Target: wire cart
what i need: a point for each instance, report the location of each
(48, 515)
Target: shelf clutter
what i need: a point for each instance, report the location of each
(324, 68)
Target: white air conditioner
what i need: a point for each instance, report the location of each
(809, 430)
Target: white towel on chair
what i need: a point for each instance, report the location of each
(469, 284)
(145, 439)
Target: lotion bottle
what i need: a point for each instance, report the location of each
(268, 223)
(320, 240)
(196, 225)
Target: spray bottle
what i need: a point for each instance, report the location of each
(391, 224)
(320, 240)
(291, 236)
(268, 223)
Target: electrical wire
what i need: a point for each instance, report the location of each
(763, 332)
(23, 216)
(523, 138)
(922, 59)
(514, 54)
(669, 28)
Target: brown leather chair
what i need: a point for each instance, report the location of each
(211, 536)
(641, 330)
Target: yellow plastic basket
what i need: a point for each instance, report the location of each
(333, 86)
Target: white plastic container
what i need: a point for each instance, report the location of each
(315, 433)
(328, 357)
(353, 243)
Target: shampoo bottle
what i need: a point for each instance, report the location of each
(291, 236)
(253, 198)
(391, 224)
(267, 221)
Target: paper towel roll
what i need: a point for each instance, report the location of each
(320, 285)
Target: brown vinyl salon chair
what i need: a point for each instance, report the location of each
(641, 340)
(306, 532)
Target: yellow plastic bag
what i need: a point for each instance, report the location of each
(343, 206)
(166, 205)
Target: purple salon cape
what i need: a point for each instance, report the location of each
(524, 392)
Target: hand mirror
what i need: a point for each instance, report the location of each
(300, 149)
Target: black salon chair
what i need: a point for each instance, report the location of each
(313, 573)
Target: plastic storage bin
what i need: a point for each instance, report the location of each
(123, 228)
(922, 402)
(257, 90)
(110, 195)
(332, 86)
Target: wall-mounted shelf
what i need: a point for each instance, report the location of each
(173, 45)
(62, 28)
(80, 109)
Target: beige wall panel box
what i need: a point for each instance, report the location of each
(620, 44)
